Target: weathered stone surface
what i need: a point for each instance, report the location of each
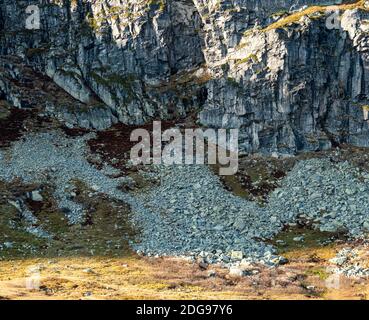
(298, 87)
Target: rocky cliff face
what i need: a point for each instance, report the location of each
(296, 88)
(291, 86)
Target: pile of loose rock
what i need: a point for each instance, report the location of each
(189, 213)
(194, 215)
(351, 262)
(54, 158)
(333, 195)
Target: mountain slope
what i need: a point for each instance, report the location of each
(291, 86)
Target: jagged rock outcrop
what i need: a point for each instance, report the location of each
(296, 86)
(128, 54)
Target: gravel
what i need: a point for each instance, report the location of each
(192, 210)
(333, 195)
(348, 262)
(190, 213)
(52, 156)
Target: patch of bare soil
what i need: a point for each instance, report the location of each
(256, 177)
(15, 122)
(12, 126)
(114, 144)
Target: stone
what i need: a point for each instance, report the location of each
(36, 196)
(281, 242)
(218, 228)
(197, 186)
(273, 219)
(350, 192)
(95, 187)
(339, 260)
(8, 245)
(88, 270)
(236, 272)
(310, 288)
(236, 255)
(212, 273)
(366, 225)
(298, 239)
(15, 204)
(203, 265)
(239, 225)
(132, 92)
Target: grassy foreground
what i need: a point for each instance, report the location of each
(133, 277)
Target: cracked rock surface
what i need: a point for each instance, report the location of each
(294, 86)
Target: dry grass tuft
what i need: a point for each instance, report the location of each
(294, 17)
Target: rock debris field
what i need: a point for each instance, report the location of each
(189, 213)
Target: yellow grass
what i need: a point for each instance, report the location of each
(134, 277)
(311, 10)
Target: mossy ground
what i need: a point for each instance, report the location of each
(105, 230)
(313, 241)
(256, 177)
(4, 110)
